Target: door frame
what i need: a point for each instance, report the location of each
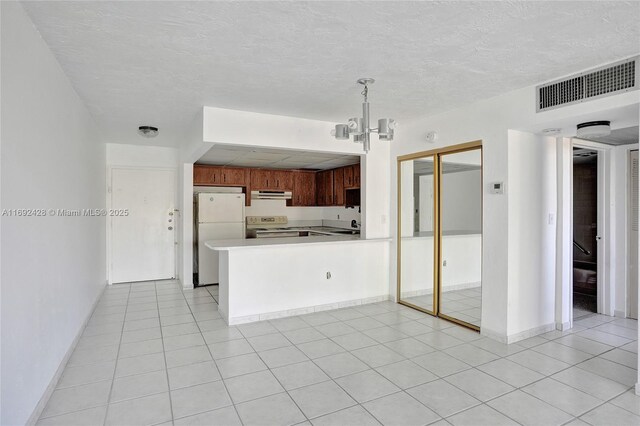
(109, 221)
(628, 223)
(605, 296)
(437, 224)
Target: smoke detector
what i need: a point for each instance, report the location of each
(594, 129)
(148, 131)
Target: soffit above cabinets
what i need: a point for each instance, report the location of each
(237, 156)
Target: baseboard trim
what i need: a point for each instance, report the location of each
(637, 389)
(40, 406)
(499, 337)
(301, 311)
(619, 314)
(513, 338)
(563, 326)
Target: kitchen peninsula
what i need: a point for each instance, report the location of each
(279, 277)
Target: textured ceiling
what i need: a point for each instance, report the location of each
(157, 63)
(238, 156)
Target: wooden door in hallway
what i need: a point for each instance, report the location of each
(142, 227)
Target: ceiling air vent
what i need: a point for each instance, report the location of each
(597, 83)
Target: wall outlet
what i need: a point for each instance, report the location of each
(444, 263)
(552, 219)
(338, 217)
(328, 275)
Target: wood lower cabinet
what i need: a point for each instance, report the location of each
(304, 189)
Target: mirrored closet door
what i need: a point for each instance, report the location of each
(440, 232)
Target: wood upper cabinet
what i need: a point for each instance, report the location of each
(304, 189)
(338, 187)
(356, 175)
(348, 176)
(234, 176)
(324, 188)
(260, 179)
(280, 180)
(205, 175)
(352, 176)
(220, 176)
(284, 179)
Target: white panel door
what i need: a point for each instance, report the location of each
(220, 208)
(632, 286)
(207, 258)
(142, 243)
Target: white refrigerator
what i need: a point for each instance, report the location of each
(220, 216)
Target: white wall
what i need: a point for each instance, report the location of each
(532, 233)
(53, 268)
(141, 156)
(292, 279)
(490, 120)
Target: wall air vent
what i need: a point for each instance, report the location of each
(604, 81)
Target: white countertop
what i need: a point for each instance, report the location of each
(220, 245)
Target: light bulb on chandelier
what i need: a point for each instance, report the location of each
(360, 129)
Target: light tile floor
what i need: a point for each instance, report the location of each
(465, 304)
(154, 354)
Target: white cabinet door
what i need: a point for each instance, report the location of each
(142, 243)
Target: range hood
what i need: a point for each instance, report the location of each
(270, 195)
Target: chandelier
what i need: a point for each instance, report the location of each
(360, 129)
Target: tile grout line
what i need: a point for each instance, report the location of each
(214, 362)
(115, 368)
(164, 354)
(371, 315)
(276, 377)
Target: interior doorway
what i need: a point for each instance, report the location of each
(585, 232)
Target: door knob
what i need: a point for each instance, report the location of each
(170, 228)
